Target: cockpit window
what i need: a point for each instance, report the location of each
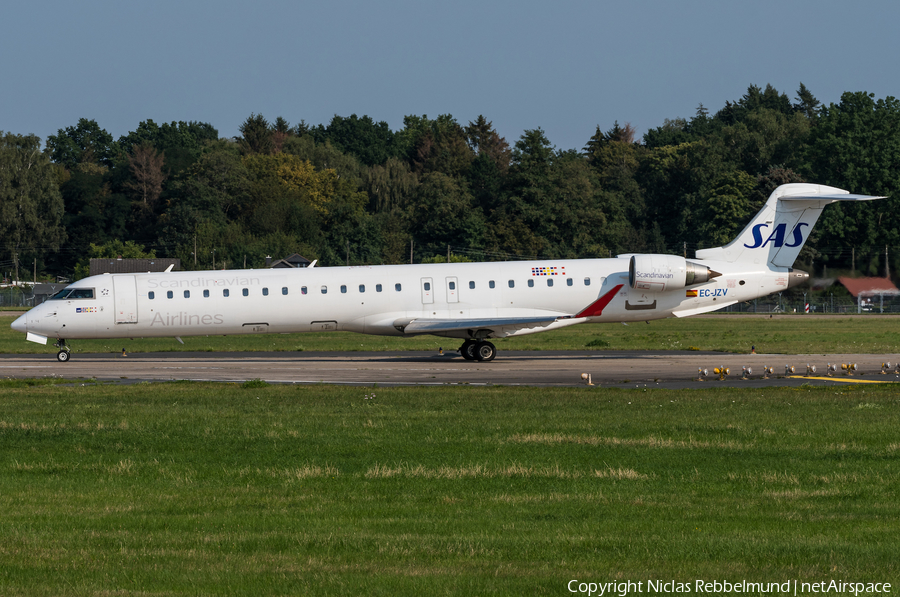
(73, 293)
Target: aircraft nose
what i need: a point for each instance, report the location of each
(20, 324)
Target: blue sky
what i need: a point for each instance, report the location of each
(565, 67)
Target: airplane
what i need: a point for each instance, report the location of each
(473, 302)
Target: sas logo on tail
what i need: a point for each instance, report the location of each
(777, 236)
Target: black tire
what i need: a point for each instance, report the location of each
(467, 350)
(62, 356)
(485, 351)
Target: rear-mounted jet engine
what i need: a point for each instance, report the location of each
(658, 273)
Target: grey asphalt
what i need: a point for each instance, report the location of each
(621, 369)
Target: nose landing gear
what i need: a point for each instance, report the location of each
(64, 351)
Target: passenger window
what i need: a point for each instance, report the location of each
(587, 281)
(284, 290)
(302, 290)
(569, 281)
(169, 294)
(187, 294)
(549, 281)
(427, 285)
(491, 284)
(512, 284)
(151, 295)
(265, 292)
(397, 287)
(324, 290)
(225, 292)
(472, 285)
(452, 285)
(205, 294)
(362, 287)
(378, 288)
(343, 289)
(531, 283)
(245, 292)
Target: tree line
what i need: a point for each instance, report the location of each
(354, 191)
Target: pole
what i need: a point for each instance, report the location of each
(35, 271)
(887, 267)
(348, 253)
(448, 253)
(853, 262)
(195, 251)
(411, 251)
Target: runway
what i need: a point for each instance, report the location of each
(620, 369)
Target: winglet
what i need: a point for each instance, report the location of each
(595, 309)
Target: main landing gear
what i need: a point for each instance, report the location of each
(478, 350)
(64, 351)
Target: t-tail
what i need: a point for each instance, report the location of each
(780, 229)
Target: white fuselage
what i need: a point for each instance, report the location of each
(379, 299)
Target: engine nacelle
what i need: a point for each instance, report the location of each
(658, 273)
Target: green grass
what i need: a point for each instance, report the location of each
(188, 488)
(787, 335)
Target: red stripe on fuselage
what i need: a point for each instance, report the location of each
(595, 309)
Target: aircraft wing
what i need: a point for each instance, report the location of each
(437, 326)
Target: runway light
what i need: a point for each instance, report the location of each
(767, 371)
(587, 378)
(885, 368)
(702, 374)
(789, 370)
(849, 367)
(810, 369)
(722, 372)
(746, 372)
(830, 368)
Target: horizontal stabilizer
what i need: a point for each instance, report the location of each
(840, 197)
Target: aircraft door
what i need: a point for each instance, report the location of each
(427, 291)
(125, 292)
(452, 290)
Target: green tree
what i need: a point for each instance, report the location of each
(31, 207)
(439, 145)
(182, 142)
(390, 186)
(256, 135)
(855, 145)
(728, 206)
(807, 104)
(372, 143)
(442, 214)
(483, 139)
(85, 142)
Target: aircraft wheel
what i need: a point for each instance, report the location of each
(62, 356)
(485, 351)
(467, 350)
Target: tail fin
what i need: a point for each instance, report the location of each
(778, 232)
